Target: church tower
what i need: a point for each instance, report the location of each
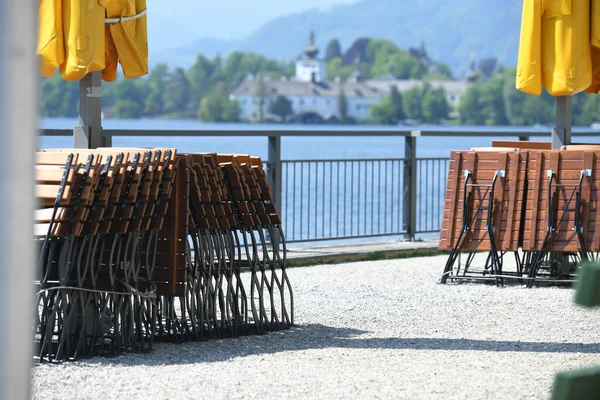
(310, 68)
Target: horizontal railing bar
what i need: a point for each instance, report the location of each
(431, 158)
(493, 133)
(320, 160)
(321, 132)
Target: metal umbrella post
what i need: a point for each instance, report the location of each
(88, 133)
(561, 134)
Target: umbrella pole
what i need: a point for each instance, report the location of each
(88, 134)
(561, 134)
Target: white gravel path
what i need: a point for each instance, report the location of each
(382, 329)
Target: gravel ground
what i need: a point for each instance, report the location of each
(382, 329)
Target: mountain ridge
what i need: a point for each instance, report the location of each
(455, 31)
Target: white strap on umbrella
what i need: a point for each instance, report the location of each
(113, 21)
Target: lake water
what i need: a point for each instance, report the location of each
(327, 200)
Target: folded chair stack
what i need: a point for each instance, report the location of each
(138, 245)
(539, 205)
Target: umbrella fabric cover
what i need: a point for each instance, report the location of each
(555, 47)
(83, 27)
(127, 41)
(74, 37)
(50, 37)
(595, 87)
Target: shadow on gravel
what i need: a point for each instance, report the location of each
(309, 337)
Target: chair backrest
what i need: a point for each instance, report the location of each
(566, 167)
(507, 200)
(522, 144)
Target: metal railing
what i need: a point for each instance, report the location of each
(432, 174)
(339, 199)
(342, 199)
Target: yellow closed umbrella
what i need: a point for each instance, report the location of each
(83, 36)
(555, 47)
(87, 39)
(127, 40)
(559, 50)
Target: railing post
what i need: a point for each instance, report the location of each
(409, 199)
(274, 177)
(106, 139)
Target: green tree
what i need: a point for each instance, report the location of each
(582, 110)
(405, 66)
(334, 50)
(134, 90)
(384, 57)
(125, 108)
(513, 99)
(412, 102)
(396, 102)
(231, 111)
(539, 109)
(469, 107)
(336, 69)
(435, 106)
(383, 113)
(342, 107)
(217, 107)
(444, 70)
(390, 111)
(177, 93)
(239, 65)
(282, 107)
(492, 102)
(199, 76)
(590, 110)
(58, 98)
(157, 83)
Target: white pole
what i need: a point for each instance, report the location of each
(18, 140)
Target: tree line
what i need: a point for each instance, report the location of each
(420, 104)
(496, 101)
(203, 90)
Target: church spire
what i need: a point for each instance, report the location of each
(312, 50)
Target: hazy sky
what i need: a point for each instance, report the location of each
(226, 19)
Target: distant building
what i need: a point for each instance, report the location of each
(321, 98)
(310, 92)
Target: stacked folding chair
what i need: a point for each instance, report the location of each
(97, 238)
(545, 211)
(270, 289)
(230, 215)
(482, 212)
(144, 244)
